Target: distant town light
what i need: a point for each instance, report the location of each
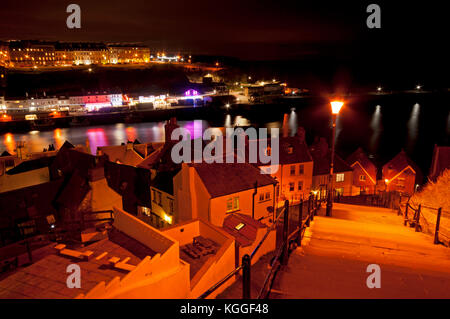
(336, 106)
(227, 105)
(379, 89)
(418, 87)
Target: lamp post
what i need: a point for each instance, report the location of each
(335, 108)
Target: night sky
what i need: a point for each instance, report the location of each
(245, 29)
(410, 47)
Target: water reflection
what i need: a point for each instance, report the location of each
(227, 121)
(10, 143)
(413, 126)
(293, 123)
(376, 126)
(96, 138)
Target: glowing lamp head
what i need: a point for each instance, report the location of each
(336, 106)
(386, 180)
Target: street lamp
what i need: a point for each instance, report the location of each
(335, 108)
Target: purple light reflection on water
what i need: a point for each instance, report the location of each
(102, 135)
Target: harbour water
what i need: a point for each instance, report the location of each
(380, 125)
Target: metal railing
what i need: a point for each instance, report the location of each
(289, 242)
(413, 220)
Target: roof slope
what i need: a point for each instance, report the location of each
(360, 156)
(221, 179)
(30, 165)
(397, 164)
(246, 235)
(322, 164)
(291, 150)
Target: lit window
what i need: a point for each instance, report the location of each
(290, 150)
(236, 203)
(229, 205)
(232, 204)
(239, 226)
(340, 177)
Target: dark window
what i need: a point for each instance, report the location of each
(300, 185)
(301, 169)
(291, 187)
(292, 169)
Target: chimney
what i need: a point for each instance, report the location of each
(169, 127)
(285, 125)
(129, 146)
(301, 134)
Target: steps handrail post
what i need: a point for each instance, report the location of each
(436, 231)
(300, 221)
(285, 233)
(246, 276)
(406, 214)
(418, 218)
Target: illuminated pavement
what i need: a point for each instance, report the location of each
(336, 252)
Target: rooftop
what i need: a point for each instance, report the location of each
(46, 279)
(360, 156)
(243, 228)
(397, 164)
(221, 179)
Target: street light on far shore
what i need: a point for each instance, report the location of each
(336, 107)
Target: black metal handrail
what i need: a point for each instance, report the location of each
(282, 253)
(415, 220)
(237, 269)
(219, 283)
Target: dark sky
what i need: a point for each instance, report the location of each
(255, 29)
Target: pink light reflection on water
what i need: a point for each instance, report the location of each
(96, 138)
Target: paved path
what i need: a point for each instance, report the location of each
(336, 251)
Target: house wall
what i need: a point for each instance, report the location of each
(218, 209)
(191, 197)
(142, 232)
(30, 178)
(403, 183)
(151, 279)
(162, 208)
(217, 266)
(368, 185)
(284, 177)
(320, 183)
